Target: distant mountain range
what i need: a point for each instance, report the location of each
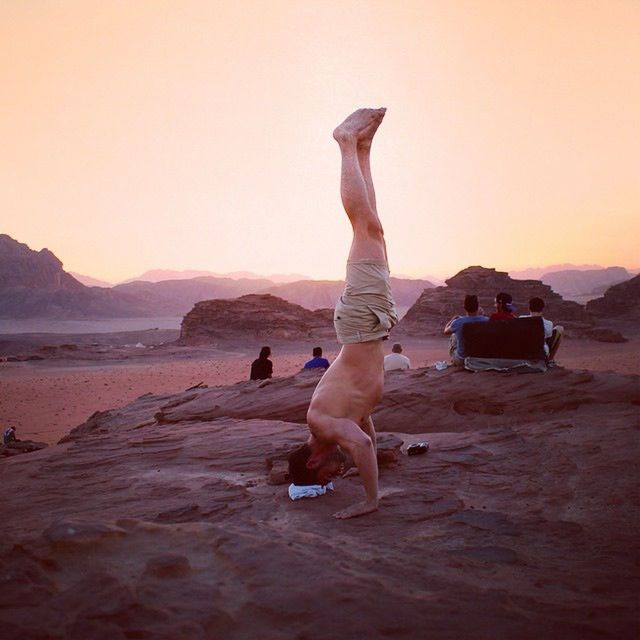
(33, 284)
(160, 275)
(536, 273)
(88, 281)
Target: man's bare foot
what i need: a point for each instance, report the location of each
(358, 509)
(360, 126)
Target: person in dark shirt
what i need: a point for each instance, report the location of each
(317, 361)
(504, 307)
(262, 368)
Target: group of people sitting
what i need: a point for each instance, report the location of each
(262, 367)
(504, 311)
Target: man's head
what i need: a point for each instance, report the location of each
(317, 352)
(315, 466)
(471, 304)
(397, 348)
(265, 352)
(503, 301)
(536, 305)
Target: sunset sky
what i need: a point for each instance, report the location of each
(192, 134)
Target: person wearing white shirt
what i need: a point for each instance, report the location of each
(395, 360)
(552, 334)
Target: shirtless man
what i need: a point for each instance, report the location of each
(339, 414)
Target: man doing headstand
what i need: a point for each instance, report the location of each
(339, 415)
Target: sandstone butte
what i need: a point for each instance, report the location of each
(262, 317)
(436, 306)
(157, 520)
(254, 316)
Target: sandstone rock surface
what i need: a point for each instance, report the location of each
(156, 519)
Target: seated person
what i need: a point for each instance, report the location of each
(9, 435)
(262, 368)
(395, 360)
(504, 307)
(454, 328)
(317, 361)
(552, 335)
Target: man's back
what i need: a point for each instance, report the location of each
(317, 363)
(395, 361)
(261, 369)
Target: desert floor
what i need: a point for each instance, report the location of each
(45, 399)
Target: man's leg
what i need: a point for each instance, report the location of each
(554, 341)
(354, 136)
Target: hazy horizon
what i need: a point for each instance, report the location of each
(197, 135)
(286, 278)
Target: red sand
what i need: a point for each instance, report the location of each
(44, 400)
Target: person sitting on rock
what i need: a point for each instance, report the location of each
(395, 360)
(317, 362)
(9, 435)
(262, 368)
(453, 328)
(504, 307)
(552, 334)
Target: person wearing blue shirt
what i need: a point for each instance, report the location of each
(453, 328)
(317, 361)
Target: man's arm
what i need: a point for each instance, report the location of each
(358, 444)
(447, 327)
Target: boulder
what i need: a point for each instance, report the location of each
(254, 316)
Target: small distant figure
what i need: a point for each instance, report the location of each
(552, 334)
(395, 360)
(262, 368)
(505, 310)
(453, 328)
(317, 362)
(9, 435)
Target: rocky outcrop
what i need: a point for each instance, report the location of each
(522, 518)
(20, 446)
(436, 306)
(620, 301)
(23, 267)
(33, 284)
(258, 317)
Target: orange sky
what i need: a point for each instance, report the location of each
(197, 134)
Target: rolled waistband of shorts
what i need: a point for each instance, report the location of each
(378, 263)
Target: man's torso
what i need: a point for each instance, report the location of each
(353, 385)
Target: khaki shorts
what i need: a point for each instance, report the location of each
(366, 310)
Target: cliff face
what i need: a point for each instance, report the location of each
(23, 267)
(33, 284)
(620, 301)
(436, 306)
(256, 317)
